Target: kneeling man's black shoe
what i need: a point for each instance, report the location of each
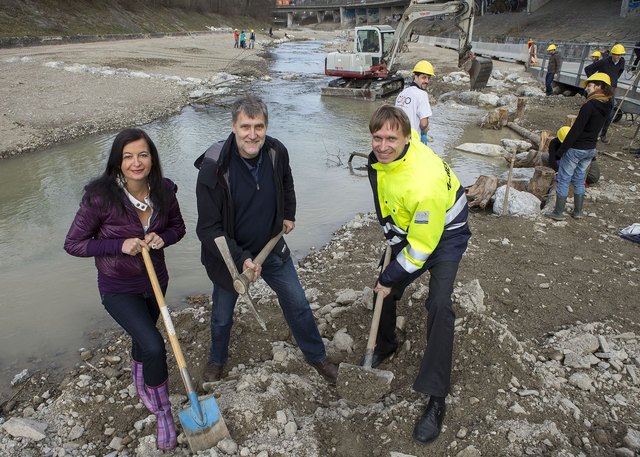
(429, 425)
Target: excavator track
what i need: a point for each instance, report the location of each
(363, 89)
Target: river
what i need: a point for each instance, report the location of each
(49, 301)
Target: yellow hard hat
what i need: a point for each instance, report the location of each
(552, 47)
(562, 133)
(618, 50)
(596, 54)
(425, 67)
(598, 77)
(252, 30)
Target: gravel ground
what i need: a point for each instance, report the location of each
(547, 352)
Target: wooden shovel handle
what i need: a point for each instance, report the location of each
(262, 255)
(166, 318)
(375, 322)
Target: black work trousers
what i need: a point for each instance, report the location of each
(137, 314)
(434, 377)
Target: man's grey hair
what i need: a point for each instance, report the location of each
(251, 106)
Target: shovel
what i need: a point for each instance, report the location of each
(363, 384)
(202, 422)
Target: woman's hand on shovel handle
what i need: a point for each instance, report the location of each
(254, 267)
(133, 246)
(154, 241)
(380, 289)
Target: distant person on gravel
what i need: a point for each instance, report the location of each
(132, 207)
(243, 40)
(414, 100)
(579, 146)
(553, 68)
(533, 49)
(236, 38)
(245, 193)
(423, 210)
(613, 65)
(252, 39)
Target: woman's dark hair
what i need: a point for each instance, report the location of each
(605, 88)
(105, 188)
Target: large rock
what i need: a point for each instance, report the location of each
(515, 145)
(25, 428)
(469, 97)
(632, 439)
(470, 297)
(342, 341)
(488, 99)
(519, 174)
(519, 203)
(582, 344)
(484, 149)
(529, 91)
(508, 100)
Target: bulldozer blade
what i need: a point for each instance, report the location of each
(362, 385)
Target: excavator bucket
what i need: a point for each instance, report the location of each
(479, 72)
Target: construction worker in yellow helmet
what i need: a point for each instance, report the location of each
(595, 56)
(612, 66)
(414, 100)
(552, 160)
(553, 68)
(579, 146)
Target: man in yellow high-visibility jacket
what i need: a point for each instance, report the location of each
(423, 210)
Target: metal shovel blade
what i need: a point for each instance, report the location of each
(202, 423)
(362, 385)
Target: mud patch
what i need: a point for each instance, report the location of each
(362, 385)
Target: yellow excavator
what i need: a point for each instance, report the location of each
(368, 71)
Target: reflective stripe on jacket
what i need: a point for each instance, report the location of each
(421, 205)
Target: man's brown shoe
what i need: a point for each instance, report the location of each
(212, 372)
(327, 370)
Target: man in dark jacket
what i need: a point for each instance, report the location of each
(613, 65)
(553, 68)
(245, 193)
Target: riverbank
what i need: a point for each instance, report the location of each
(547, 337)
(56, 93)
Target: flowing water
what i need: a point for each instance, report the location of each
(49, 300)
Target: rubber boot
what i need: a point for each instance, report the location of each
(558, 213)
(166, 437)
(138, 381)
(578, 201)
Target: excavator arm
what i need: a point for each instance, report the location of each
(479, 69)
